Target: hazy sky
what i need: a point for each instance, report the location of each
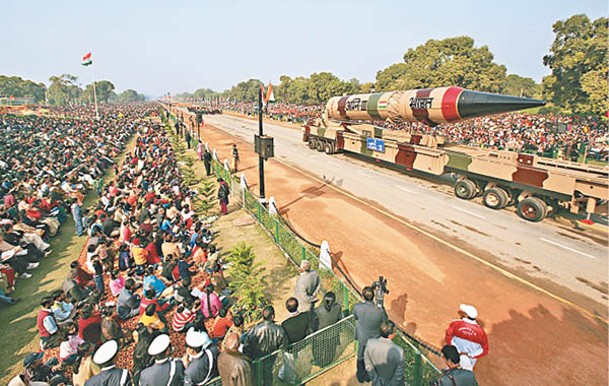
(158, 46)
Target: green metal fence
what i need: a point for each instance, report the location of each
(308, 358)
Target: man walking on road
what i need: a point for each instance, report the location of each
(235, 158)
(467, 336)
(384, 359)
(369, 318)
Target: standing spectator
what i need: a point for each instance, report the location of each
(263, 339)
(105, 356)
(326, 315)
(200, 150)
(234, 367)
(166, 371)
(454, 374)
(467, 336)
(307, 287)
(297, 326)
(207, 161)
(384, 359)
(201, 359)
(223, 193)
(187, 137)
(235, 158)
(369, 318)
(98, 268)
(77, 215)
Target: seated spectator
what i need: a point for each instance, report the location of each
(183, 317)
(128, 303)
(64, 311)
(222, 323)
(68, 348)
(152, 320)
(117, 283)
(48, 329)
(150, 297)
(89, 325)
(84, 368)
(210, 302)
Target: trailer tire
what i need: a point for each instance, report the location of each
(328, 148)
(532, 209)
(495, 198)
(312, 143)
(320, 145)
(465, 189)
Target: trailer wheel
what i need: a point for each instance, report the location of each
(495, 198)
(328, 148)
(320, 145)
(312, 143)
(465, 189)
(532, 209)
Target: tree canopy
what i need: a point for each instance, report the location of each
(103, 88)
(578, 59)
(64, 90)
(22, 88)
(130, 95)
(518, 86)
(448, 62)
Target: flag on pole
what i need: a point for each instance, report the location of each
(87, 60)
(270, 95)
(263, 96)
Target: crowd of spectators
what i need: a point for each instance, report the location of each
(283, 112)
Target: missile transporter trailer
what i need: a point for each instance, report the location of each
(537, 186)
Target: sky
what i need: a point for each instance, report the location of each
(158, 46)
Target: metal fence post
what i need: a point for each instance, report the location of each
(345, 296)
(304, 253)
(418, 370)
(243, 196)
(259, 212)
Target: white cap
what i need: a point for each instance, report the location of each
(470, 311)
(196, 339)
(159, 344)
(105, 352)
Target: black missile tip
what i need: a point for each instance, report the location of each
(475, 104)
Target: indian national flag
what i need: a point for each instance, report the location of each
(270, 95)
(382, 104)
(87, 60)
(263, 96)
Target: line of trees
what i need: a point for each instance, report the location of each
(64, 90)
(577, 85)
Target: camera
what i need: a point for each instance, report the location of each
(380, 289)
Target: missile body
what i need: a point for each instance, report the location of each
(431, 106)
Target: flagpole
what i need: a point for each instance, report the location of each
(94, 93)
(260, 157)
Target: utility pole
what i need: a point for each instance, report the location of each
(260, 157)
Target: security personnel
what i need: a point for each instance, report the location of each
(109, 374)
(166, 371)
(201, 358)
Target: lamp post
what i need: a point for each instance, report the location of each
(260, 157)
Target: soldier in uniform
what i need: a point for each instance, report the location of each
(166, 371)
(201, 358)
(109, 374)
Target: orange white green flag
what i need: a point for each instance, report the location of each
(270, 95)
(87, 60)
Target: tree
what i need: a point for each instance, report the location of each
(449, 62)
(20, 88)
(64, 90)
(518, 86)
(245, 91)
(130, 96)
(103, 88)
(578, 59)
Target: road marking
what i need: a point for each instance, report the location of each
(567, 248)
(456, 248)
(405, 189)
(468, 212)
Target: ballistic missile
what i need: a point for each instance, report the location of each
(431, 106)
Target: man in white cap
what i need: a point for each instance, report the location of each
(307, 287)
(201, 359)
(105, 357)
(166, 371)
(467, 336)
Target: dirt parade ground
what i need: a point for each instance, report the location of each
(534, 338)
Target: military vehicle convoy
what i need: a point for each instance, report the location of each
(537, 186)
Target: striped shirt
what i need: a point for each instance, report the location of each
(180, 319)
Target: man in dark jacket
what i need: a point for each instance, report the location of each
(454, 374)
(369, 318)
(207, 161)
(297, 326)
(326, 315)
(263, 339)
(384, 359)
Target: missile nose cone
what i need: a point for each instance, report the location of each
(473, 104)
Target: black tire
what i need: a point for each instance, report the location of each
(320, 145)
(495, 198)
(465, 189)
(328, 148)
(532, 209)
(312, 143)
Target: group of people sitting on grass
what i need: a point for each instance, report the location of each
(46, 164)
